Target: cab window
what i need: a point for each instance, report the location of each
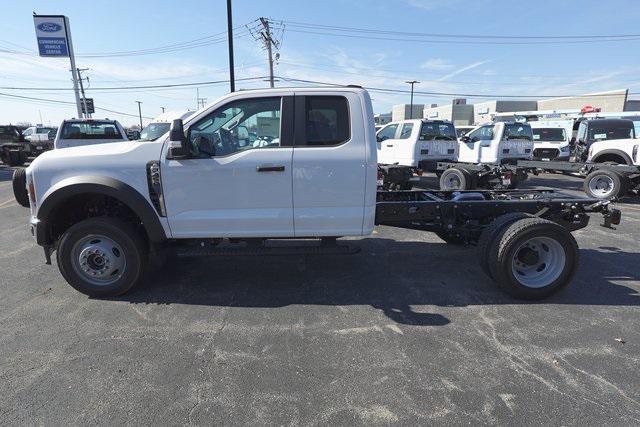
(387, 132)
(482, 133)
(246, 124)
(326, 121)
(405, 133)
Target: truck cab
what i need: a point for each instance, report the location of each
(497, 143)
(551, 140)
(39, 139)
(607, 141)
(77, 132)
(418, 144)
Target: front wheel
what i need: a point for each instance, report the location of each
(533, 258)
(102, 257)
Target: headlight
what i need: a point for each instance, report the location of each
(564, 149)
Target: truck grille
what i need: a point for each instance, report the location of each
(545, 153)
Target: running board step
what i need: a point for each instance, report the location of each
(241, 250)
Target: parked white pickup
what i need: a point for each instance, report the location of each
(418, 144)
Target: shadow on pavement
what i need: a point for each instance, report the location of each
(388, 275)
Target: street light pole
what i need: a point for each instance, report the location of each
(412, 82)
(232, 78)
(140, 113)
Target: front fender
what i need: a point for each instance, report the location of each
(129, 196)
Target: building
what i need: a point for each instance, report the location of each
(458, 112)
(483, 111)
(607, 102)
(382, 118)
(403, 112)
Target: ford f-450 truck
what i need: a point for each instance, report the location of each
(258, 171)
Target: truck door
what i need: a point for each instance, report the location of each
(471, 147)
(329, 165)
(386, 138)
(238, 179)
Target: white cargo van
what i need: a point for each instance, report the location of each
(551, 140)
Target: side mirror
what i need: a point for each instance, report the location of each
(465, 138)
(380, 138)
(179, 147)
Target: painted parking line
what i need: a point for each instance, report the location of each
(7, 202)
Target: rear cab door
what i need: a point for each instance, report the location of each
(334, 163)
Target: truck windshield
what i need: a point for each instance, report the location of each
(91, 130)
(431, 131)
(154, 131)
(549, 134)
(518, 131)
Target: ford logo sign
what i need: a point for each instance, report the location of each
(49, 27)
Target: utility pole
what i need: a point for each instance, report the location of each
(268, 41)
(140, 113)
(232, 78)
(200, 102)
(162, 109)
(412, 82)
(84, 99)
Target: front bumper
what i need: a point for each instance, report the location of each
(39, 231)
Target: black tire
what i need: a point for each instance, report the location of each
(19, 182)
(596, 183)
(450, 238)
(489, 234)
(130, 245)
(456, 179)
(514, 243)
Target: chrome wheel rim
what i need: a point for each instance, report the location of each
(601, 185)
(98, 259)
(538, 262)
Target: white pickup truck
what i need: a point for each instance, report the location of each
(77, 132)
(487, 157)
(418, 144)
(205, 188)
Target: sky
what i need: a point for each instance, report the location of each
(142, 43)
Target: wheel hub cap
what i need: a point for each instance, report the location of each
(99, 259)
(601, 185)
(538, 262)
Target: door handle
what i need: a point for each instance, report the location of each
(389, 145)
(265, 168)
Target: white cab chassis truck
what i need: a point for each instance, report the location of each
(408, 148)
(108, 211)
(487, 157)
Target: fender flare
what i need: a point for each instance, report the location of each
(620, 153)
(107, 186)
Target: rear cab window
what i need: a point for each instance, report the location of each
(91, 130)
(430, 131)
(326, 121)
(517, 131)
(601, 133)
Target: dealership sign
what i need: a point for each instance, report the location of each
(52, 35)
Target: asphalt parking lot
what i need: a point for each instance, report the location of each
(408, 331)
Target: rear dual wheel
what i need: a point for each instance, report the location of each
(530, 258)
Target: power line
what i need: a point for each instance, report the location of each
(462, 36)
(449, 94)
(57, 101)
(175, 85)
(461, 42)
